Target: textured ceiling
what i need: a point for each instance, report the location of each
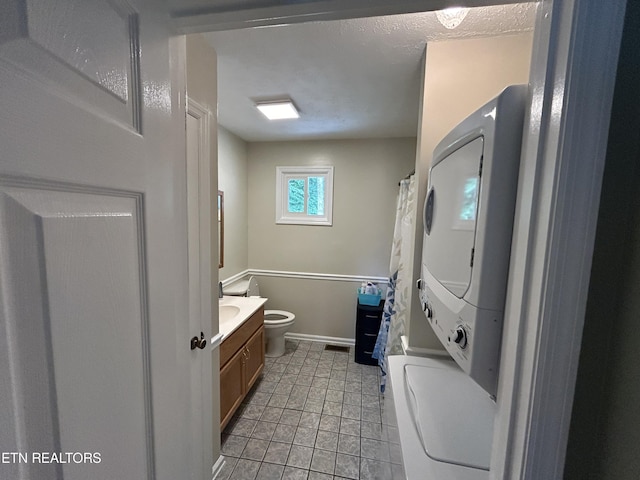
(354, 78)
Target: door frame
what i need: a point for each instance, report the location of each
(575, 55)
(203, 117)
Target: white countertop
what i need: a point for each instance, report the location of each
(246, 306)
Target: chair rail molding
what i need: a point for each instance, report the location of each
(304, 275)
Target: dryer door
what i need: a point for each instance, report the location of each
(450, 216)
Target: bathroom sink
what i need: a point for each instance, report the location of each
(227, 312)
(234, 311)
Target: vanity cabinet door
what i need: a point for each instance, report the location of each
(242, 361)
(254, 357)
(232, 386)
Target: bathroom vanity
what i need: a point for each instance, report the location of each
(241, 351)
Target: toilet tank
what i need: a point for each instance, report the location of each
(237, 289)
(243, 288)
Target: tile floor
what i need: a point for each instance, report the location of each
(314, 414)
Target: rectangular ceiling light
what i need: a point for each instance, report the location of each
(278, 110)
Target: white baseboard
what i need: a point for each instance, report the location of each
(419, 351)
(347, 342)
(217, 467)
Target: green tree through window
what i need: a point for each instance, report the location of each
(296, 195)
(304, 195)
(316, 196)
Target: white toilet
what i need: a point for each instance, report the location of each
(276, 322)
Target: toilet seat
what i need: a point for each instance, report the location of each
(285, 317)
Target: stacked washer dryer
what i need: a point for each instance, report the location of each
(441, 411)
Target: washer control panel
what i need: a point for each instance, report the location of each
(470, 335)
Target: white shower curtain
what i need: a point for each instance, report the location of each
(396, 305)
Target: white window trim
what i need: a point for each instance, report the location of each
(282, 214)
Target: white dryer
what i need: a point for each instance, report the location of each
(468, 220)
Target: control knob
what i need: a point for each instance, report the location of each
(427, 309)
(459, 336)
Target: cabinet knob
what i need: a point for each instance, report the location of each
(246, 354)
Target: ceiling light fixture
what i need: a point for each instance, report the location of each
(278, 109)
(452, 17)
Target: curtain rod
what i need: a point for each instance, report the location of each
(408, 176)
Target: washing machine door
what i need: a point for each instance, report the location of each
(452, 415)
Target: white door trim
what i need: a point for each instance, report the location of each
(205, 415)
(209, 19)
(203, 115)
(573, 76)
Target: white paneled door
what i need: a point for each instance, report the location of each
(96, 367)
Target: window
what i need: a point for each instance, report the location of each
(304, 195)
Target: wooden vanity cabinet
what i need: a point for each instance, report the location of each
(254, 363)
(241, 363)
(231, 387)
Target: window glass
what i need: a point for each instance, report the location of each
(296, 195)
(316, 196)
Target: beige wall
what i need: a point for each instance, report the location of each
(326, 308)
(232, 180)
(359, 242)
(462, 75)
(202, 87)
(459, 77)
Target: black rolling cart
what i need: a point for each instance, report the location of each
(367, 326)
